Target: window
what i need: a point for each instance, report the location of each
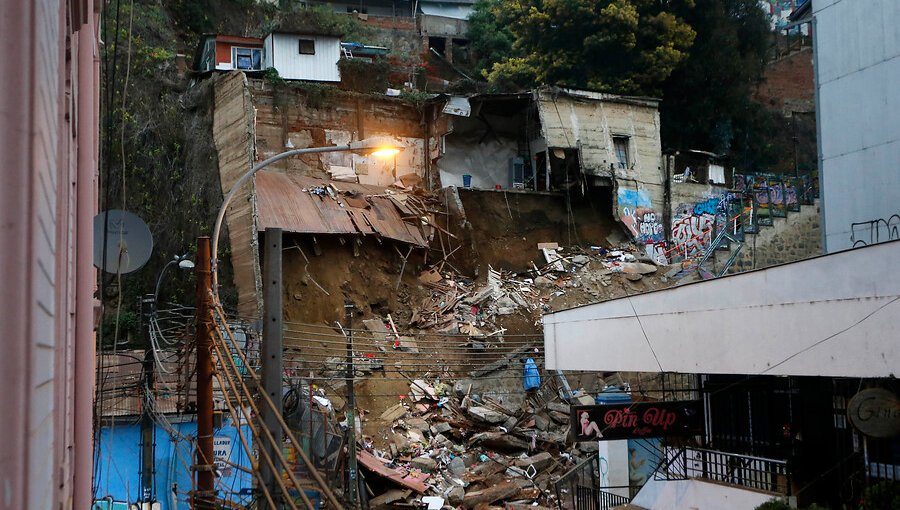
(620, 144)
(246, 58)
(307, 47)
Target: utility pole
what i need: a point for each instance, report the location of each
(148, 306)
(271, 356)
(204, 465)
(352, 467)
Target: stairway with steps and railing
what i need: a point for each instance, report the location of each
(728, 240)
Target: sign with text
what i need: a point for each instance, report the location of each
(637, 420)
(875, 412)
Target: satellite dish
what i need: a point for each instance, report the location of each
(128, 242)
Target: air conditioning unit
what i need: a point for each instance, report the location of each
(516, 173)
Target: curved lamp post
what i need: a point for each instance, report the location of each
(378, 146)
(183, 263)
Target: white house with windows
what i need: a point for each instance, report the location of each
(298, 56)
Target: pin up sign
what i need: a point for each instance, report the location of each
(637, 420)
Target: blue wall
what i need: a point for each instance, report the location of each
(118, 464)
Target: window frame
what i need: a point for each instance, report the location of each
(625, 142)
(311, 42)
(234, 58)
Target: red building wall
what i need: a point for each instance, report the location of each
(48, 153)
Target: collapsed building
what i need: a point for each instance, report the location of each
(500, 208)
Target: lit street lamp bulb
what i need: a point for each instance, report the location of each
(385, 152)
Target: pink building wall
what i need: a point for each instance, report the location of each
(49, 120)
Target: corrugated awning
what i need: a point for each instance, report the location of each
(306, 205)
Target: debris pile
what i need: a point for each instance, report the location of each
(468, 450)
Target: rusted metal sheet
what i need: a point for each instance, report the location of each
(302, 205)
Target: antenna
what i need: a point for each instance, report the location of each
(128, 241)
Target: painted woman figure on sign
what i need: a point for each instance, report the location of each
(589, 427)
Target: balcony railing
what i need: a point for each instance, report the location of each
(757, 473)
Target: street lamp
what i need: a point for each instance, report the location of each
(183, 263)
(148, 444)
(376, 146)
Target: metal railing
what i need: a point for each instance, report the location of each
(758, 473)
(579, 489)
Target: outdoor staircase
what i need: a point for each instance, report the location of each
(723, 254)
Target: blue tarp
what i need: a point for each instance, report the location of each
(532, 376)
(118, 464)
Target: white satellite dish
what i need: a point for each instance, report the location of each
(127, 240)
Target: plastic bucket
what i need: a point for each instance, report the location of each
(467, 181)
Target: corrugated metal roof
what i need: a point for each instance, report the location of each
(304, 205)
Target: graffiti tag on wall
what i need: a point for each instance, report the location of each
(865, 233)
(636, 212)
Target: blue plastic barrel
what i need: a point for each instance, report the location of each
(467, 181)
(612, 395)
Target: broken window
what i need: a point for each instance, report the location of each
(307, 47)
(620, 144)
(246, 58)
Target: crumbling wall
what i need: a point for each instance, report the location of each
(797, 237)
(233, 132)
(588, 122)
(290, 116)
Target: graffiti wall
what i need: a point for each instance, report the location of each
(696, 225)
(874, 231)
(637, 213)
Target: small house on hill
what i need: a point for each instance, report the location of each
(303, 56)
(228, 52)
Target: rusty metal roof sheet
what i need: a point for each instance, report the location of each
(304, 205)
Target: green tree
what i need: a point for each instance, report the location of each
(623, 46)
(707, 100)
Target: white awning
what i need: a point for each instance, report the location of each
(836, 315)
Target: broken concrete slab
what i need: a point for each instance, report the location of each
(394, 413)
(502, 490)
(634, 277)
(424, 463)
(378, 329)
(456, 495)
(541, 421)
(539, 461)
(559, 407)
(488, 415)
(457, 466)
(407, 344)
(638, 268)
(389, 497)
(499, 441)
(440, 427)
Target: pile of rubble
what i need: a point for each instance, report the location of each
(457, 305)
(464, 449)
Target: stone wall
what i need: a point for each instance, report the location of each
(790, 239)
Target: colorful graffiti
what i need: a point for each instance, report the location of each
(636, 212)
(695, 226)
(691, 234)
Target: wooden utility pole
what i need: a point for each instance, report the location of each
(204, 465)
(271, 355)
